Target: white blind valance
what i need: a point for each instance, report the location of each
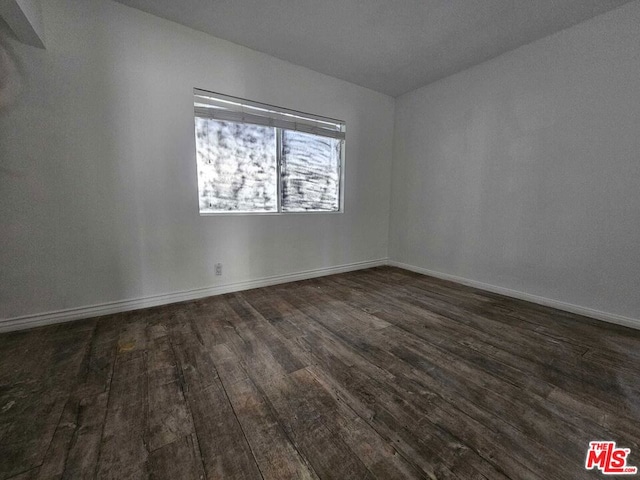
(232, 109)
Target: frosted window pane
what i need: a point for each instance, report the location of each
(310, 172)
(236, 166)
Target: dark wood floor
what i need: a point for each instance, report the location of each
(380, 373)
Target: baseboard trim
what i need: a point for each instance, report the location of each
(80, 313)
(547, 302)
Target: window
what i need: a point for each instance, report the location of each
(255, 158)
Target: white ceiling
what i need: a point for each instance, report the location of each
(392, 46)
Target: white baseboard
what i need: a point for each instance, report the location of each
(79, 313)
(547, 302)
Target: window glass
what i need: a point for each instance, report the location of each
(310, 172)
(236, 166)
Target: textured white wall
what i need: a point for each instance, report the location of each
(524, 172)
(98, 195)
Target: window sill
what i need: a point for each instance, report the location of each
(247, 214)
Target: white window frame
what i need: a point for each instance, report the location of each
(234, 109)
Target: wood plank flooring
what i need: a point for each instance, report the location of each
(380, 373)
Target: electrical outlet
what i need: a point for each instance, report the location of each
(218, 269)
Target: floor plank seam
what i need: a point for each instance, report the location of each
(235, 414)
(182, 382)
(106, 410)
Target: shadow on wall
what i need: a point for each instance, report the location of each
(10, 87)
(10, 76)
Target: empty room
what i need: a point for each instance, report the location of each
(332, 239)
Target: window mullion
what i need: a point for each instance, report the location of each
(279, 167)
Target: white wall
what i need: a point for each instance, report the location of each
(524, 172)
(98, 195)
